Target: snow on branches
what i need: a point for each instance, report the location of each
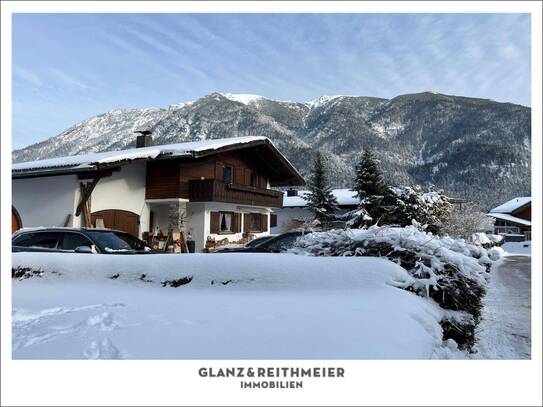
(450, 271)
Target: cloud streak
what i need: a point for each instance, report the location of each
(103, 61)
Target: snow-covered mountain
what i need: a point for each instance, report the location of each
(475, 148)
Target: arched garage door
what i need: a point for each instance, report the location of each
(118, 219)
(16, 223)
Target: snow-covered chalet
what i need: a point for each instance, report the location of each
(513, 219)
(212, 189)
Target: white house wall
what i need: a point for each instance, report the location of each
(45, 201)
(196, 223)
(124, 190)
(199, 221)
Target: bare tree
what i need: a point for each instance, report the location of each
(466, 219)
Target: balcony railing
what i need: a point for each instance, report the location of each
(219, 191)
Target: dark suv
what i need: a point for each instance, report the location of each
(276, 244)
(77, 240)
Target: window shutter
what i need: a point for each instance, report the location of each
(263, 223)
(236, 228)
(247, 180)
(246, 222)
(239, 175)
(273, 220)
(214, 226)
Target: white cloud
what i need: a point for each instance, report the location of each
(67, 79)
(28, 76)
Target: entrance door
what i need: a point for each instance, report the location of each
(16, 223)
(118, 219)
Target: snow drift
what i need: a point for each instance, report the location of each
(230, 306)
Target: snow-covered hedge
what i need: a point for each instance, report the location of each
(451, 271)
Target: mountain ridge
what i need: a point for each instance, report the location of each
(473, 148)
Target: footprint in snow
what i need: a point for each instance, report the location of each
(103, 321)
(102, 349)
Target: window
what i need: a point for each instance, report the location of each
(23, 240)
(227, 174)
(74, 240)
(254, 180)
(283, 243)
(117, 242)
(225, 222)
(507, 229)
(48, 240)
(256, 222)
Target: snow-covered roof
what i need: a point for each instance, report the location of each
(512, 205)
(90, 161)
(344, 197)
(510, 218)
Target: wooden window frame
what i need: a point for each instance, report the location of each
(232, 226)
(254, 180)
(251, 216)
(263, 226)
(231, 173)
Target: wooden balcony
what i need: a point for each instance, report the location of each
(212, 190)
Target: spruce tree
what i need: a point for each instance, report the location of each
(369, 180)
(369, 187)
(320, 199)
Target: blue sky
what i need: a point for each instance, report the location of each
(68, 67)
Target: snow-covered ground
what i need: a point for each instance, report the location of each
(516, 248)
(505, 329)
(237, 306)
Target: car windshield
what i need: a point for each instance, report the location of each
(117, 242)
(258, 241)
(281, 243)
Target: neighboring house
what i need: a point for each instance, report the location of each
(295, 208)
(513, 219)
(210, 189)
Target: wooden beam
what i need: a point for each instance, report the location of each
(100, 174)
(86, 191)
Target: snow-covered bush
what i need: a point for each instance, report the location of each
(403, 204)
(450, 271)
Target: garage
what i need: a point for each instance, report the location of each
(126, 221)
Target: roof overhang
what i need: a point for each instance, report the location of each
(279, 170)
(510, 218)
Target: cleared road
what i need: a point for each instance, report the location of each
(505, 329)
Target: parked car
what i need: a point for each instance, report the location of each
(227, 247)
(275, 244)
(78, 240)
(259, 240)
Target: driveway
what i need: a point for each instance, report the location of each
(505, 328)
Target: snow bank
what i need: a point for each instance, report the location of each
(480, 238)
(254, 271)
(515, 248)
(237, 306)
